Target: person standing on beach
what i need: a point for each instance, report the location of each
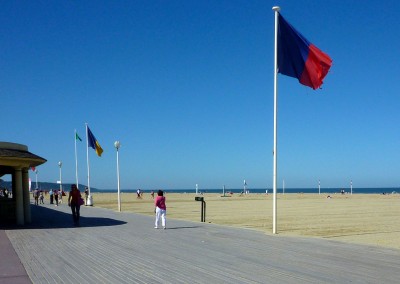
(74, 202)
(161, 209)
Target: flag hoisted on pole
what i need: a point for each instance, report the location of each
(299, 58)
(91, 142)
(76, 158)
(294, 56)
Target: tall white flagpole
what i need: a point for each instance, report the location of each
(76, 163)
(87, 158)
(275, 153)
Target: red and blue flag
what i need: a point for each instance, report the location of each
(299, 58)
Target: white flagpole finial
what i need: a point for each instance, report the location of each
(276, 8)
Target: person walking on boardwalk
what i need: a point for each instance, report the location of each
(41, 197)
(161, 209)
(60, 196)
(74, 201)
(36, 196)
(51, 192)
(86, 195)
(56, 197)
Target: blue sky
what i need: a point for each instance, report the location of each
(187, 87)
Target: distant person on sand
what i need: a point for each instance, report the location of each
(152, 194)
(74, 201)
(161, 209)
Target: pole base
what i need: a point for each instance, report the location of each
(89, 201)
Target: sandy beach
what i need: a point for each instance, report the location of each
(359, 218)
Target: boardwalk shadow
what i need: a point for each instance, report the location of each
(45, 218)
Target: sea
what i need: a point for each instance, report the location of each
(387, 190)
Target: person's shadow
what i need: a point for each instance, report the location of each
(44, 217)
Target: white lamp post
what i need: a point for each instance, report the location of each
(60, 164)
(36, 172)
(117, 145)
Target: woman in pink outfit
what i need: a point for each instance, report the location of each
(161, 209)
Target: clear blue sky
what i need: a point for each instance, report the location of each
(187, 87)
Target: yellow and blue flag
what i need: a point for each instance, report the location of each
(92, 142)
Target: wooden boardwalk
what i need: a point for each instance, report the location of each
(112, 247)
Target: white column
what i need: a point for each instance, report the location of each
(19, 198)
(26, 195)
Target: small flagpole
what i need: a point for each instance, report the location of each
(76, 163)
(275, 153)
(351, 187)
(87, 158)
(319, 187)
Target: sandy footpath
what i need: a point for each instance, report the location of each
(359, 218)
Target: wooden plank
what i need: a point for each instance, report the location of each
(112, 247)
